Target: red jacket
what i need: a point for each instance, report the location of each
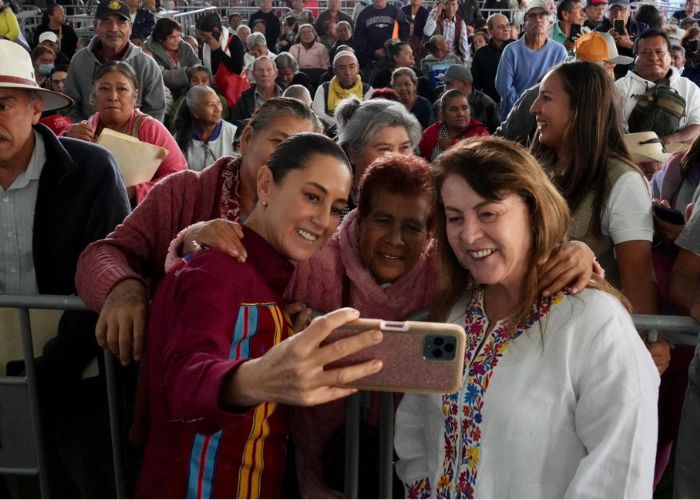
(430, 136)
(209, 315)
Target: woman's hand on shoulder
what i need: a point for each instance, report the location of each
(293, 371)
(570, 266)
(221, 234)
(81, 131)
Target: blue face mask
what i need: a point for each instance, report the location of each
(45, 69)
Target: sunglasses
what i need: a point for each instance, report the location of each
(537, 15)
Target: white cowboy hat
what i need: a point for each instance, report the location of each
(17, 72)
(646, 146)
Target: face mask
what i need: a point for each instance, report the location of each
(692, 45)
(45, 69)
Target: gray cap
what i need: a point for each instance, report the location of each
(457, 72)
(619, 3)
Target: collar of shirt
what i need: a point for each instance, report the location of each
(36, 165)
(214, 135)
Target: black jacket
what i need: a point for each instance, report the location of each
(484, 67)
(81, 198)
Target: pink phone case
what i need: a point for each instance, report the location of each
(410, 365)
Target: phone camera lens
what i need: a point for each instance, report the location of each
(437, 353)
(450, 347)
(438, 341)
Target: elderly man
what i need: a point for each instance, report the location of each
(652, 68)
(444, 20)
(482, 107)
(524, 61)
(345, 83)
(113, 29)
(595, 13)
(56, 197)
(620, 11)
(593, 47)
(485, 61)
(264, 88)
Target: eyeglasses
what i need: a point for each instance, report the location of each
(537, 15)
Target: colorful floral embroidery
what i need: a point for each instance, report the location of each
(483, 352)
(419, 489)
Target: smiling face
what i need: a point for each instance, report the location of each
(257, 145)
(653, 58)
(304, 209)
(386, 140)
(115, 98)
(552, 110)
(490, 238)
(208, 112)
(394, 234)
(114, 32)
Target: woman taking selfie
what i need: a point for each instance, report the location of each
(223, 361)
(559, 394)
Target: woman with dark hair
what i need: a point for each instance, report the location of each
(219, 46)
(54, 19)
(456, 124)
(223, 361)
(115, 92)
(691, 43)
(650, 15)
(559, 395)
(398, 55)
(202, 135)
(579, 142)
(173, 55)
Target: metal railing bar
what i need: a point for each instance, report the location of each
(352, 445)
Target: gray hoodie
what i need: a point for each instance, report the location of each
(151, 98)
(174, 78)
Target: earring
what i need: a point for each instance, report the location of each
(264, 203)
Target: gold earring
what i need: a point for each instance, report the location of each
(264, 204)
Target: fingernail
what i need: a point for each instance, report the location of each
(377, 336)
(378, 365)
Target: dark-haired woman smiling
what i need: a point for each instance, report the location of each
(221, 353)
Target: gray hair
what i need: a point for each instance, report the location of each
(195, 94)
(300, 93)
(358, 121)
(678, 48)
(243, 27)
(256, 39)
(404, 72)
(286, 60)
(262, 58)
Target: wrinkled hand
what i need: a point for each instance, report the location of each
(299, 314)
(81, 131)
(213, 43)
(293, 373)
(622, 40)
(661, 354)
(570, 266)
(121, 326)
(221, 234)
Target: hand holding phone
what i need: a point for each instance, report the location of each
(669, 215)
(416, 356)
(619, 26)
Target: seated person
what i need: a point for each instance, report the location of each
(308, 51)
(264, 88)
(201, 134)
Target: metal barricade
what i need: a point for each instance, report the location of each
(23, 303)
(188, 18)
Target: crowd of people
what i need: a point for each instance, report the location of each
(526, 170)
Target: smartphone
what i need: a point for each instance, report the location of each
(619, 26)
(574, 32)
(418, 356)
(669, 215)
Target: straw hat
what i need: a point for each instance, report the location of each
(646, 146)
(17, 72)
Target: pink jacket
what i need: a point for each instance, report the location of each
(315, 56)
(137, 248)
(318, 284)
(152, 132)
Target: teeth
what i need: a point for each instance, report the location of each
(391, 257)
(480, 254)
(306, 235)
